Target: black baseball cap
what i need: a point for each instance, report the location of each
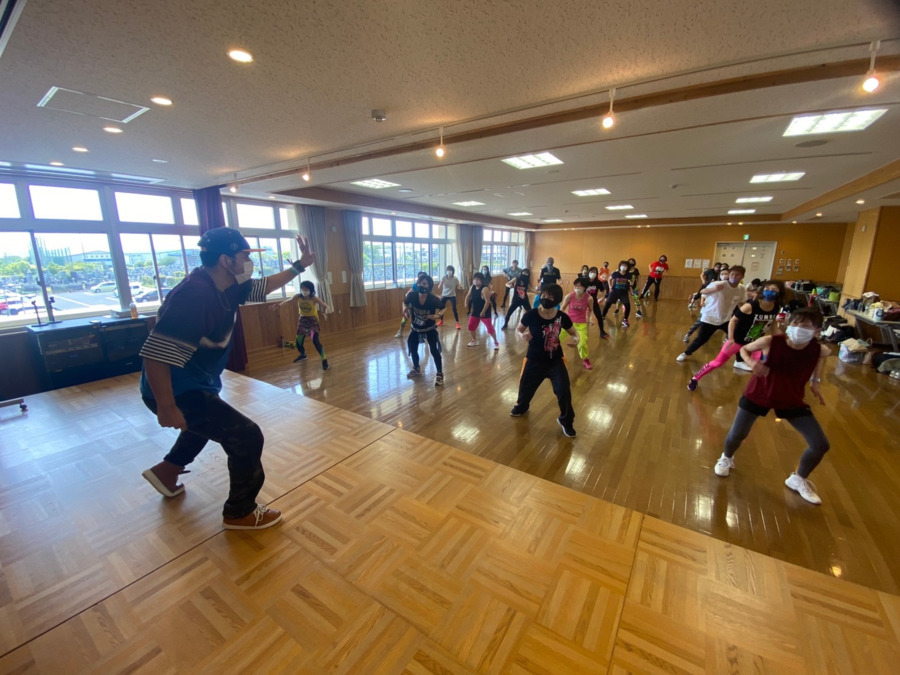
(225, 240)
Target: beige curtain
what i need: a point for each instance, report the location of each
(464, 253)
(312, 219)
(353, 238)
(529, 250)
(477, 242)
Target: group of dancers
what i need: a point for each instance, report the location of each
(185, 354)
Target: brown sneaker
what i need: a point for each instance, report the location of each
(164, 477)
(259, 519)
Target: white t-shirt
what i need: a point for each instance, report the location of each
(450, 284)
(721, 301)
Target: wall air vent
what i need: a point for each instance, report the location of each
(91, 105)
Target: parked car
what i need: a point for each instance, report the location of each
(151, 296)
(104, 287)
(136, 289)
(13, 303)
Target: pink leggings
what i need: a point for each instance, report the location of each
(474, 320)
(728, 350)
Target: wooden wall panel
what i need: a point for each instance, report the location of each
(854, 282)
(883, 277)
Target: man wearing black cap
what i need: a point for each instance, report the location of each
(184, 357)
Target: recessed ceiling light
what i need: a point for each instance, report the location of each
(591, 193)
(112, 130)
(79, 148)
(829, 123)
(552, 220)
(619, 207)
(161, 161)
(404, 190)
(818, 215)
(632, 216)
(375, 183)
(777, 177)
(241, 56)
(520, 213)
(469, 203)
(860, 201)
(271, 196)
(738, 212)
(752, 200)
(56, 164)
(162, 100)
(533, 161)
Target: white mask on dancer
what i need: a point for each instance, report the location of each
(246, 274)
(800, 336)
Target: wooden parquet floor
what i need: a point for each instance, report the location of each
(397, 554)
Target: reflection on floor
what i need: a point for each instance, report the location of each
(397, 553)
(645, 442)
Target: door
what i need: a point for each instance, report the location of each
(756, 256)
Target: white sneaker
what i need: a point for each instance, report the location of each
(472, 343)
(681, 357)
(399, 333)
(806, 489)
(724, 466)
(496, 345)
(742, 365)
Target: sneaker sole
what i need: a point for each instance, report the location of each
(263, 526)
(159, 486)
(566, 433)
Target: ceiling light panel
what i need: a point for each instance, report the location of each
(375, 183)
(777, 177)
(552, 220)
(740, 212)
(831, 123)
(519, 214)
(532, 161)
(619, 207)
(591, 193)
(469, 203)
(632, 216)
(752, 200)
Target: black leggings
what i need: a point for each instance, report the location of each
(452, 300)
(802, 420)
(621, 296)
(516, 302)
(656, 282)
(706, 331)
(209, 418)
(536, 371)
(434, 345)
(316, 344)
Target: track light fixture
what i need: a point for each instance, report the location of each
(609, 121)
(233, 187)
(439, 150)
(871, 83)
(306, 174)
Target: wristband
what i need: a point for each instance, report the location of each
(815, 380)
(298, 268)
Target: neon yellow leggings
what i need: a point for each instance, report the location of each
(581, 329)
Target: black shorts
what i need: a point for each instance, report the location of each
(781, 413)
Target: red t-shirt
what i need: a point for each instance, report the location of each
(789, 371)
(658, 268)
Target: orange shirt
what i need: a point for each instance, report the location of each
(603, 274)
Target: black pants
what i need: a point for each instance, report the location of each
(656, 282)
(505, 295)
(433, 344)
(452, 300)
(209, 418)
(535, 372)
(621, 296)
(706, 331)
(516, 302)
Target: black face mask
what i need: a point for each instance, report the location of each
(548, 303)
(423, 289)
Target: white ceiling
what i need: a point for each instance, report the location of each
(320, 68)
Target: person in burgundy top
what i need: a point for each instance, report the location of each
(657, 269)
(778, 383)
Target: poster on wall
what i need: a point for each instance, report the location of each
(698, 263)
(688, 263)
(705, 264)
(787, 266)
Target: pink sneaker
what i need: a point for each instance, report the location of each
(587, 364)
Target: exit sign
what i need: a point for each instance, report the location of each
(746, 237)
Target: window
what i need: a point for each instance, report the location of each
(9, 204)
(18, 276)
(189, 211)
(141, 208)
(500, 248)
(78, 273)
(59, 203)
(253, 216)
(395, 251)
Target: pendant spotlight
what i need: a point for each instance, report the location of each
(306, 174)
(439, 150)
(871, 83)
(233, 187)
(609, 121)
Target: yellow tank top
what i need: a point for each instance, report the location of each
(308, 307)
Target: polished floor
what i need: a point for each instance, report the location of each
(397, 554)
(644, 442)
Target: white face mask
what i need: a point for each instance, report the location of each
(246, 274)
(799, 335)
(593, 275)
(579, 290)
(304, 293)
(623, 270)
